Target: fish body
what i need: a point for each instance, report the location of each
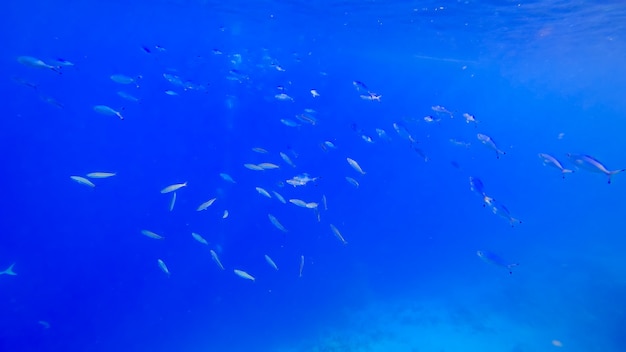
(301, 180)
(496, 260)
(173, 201)
(355, 166)
(352, 181)
(106, 110)
(127, 96)
(283, 97)
(489, 142)
(263, 192)
(314, 93)
(83, 181)
(276, 223)
(441, 109)
(552, 161)
(469, 118)
(35, 62)
(174, 187)
(199, 238)
(289, 123)
(216, 259)
(271, 262)
(163, 267)
(151, 234)
(501, 210)
(337, 234)
(476, 185)
(590, 163)
(268, 166)
(226, 177)
(206, 205)
(298, 202)
(244, 275)
(253, 167)
(100, 174)
(286, 159)
(279, 197)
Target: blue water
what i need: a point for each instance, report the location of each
(540, 77)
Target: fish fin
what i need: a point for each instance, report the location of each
(614, 172)
(510, 267)
(9, 271)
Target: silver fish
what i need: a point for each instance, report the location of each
(496, 260)
(592, 164)
(489, 142)
(499, 209)
(552, 161)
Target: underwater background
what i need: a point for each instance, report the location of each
(378, 108)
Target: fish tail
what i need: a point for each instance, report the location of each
(513, 221)
(510, 267)
(9, 271)
(614, 172)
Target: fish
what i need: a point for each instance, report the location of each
(301, 180)
(459, 143)
(199, 238)
(283, 97)
(276, 223)
(501, 210)
(382, 134)
(173, 201)
(174, 187)
(279, 197)
(127, 96)
(35, 62)
(105, 110)
(496, 260)
(355, 166)
(324, 202)
(253, 167)
(301, 265)
(206, 205)
(83, 181)
(259, 150)
(552, 161)
(330, 145)
(270, 262)
(311, 205)
(360, 86)
(371, 96)
(476, 185)
(61, 62)
(352, 181)
(431, 119)
(314, 93)
(286, 159)
(592, 164)
(289, 123)
(403, 132)
(298, 202)
(263, 192)
(122, 79)
(469, 118)
(163, 267)
(337, 234)
(171, 93)
(151, 234)
(441, 109)
(9, 271)
(100, 174)
(226, 177)
(244, 275)
(216, 259)
(225, 215)
(268, 166)
(489, 142)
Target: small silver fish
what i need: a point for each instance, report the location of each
(552, 161)
(489, 142)
(592, 164)
(496, 260)
(502, 211)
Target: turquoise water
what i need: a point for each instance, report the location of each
(170, 92)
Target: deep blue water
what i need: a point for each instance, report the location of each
(540, 77)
